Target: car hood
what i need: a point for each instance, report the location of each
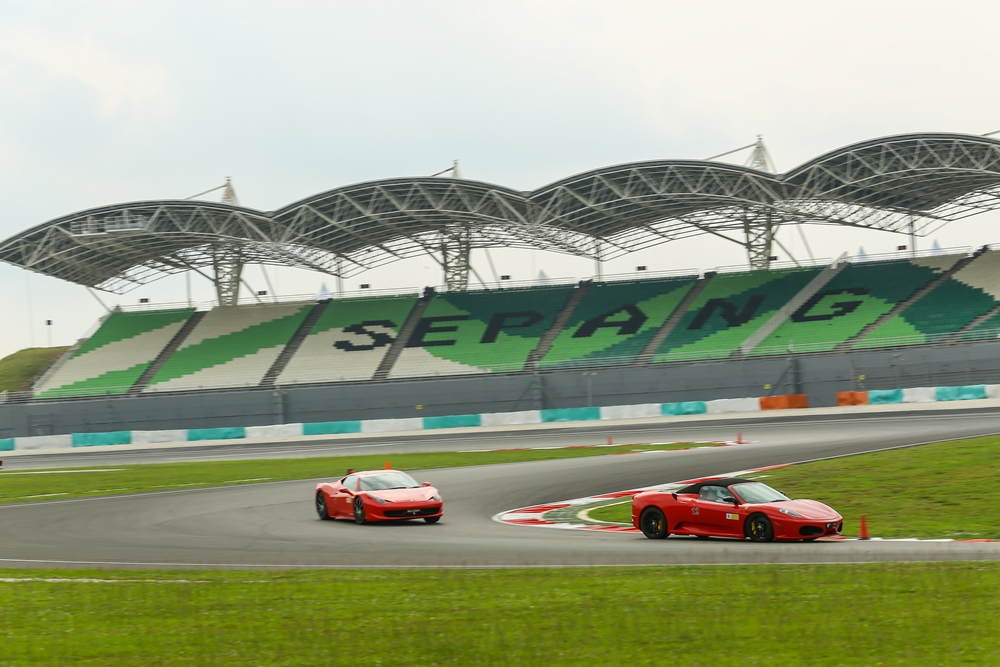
(406, 495)
(809, 509)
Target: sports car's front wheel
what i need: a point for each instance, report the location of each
(759, 528)
(359, 510)
(432, 519)
(321, 506)
(653, 524)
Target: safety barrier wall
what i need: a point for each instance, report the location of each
(718, 406)
(919, 395)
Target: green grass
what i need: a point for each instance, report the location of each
(20, 486)
(890, 614)
(944, 490)
(619, 512)
(19, 370)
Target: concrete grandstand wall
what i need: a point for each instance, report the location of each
(821, 377)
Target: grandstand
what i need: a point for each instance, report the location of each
(349, 340)
(729, 310)
(114, 358)
(856, 298)
(230, 347)
(901, 184)
(615, 321)
(479, 331)
(971, 293)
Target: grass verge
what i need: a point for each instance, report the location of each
(19, 370)
(33, 485)
(888, 614)
(943, 490)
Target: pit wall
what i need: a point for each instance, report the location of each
(718, 406)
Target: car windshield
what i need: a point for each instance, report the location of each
(755, 492)
(388, 480)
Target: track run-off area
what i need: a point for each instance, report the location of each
(273, 525)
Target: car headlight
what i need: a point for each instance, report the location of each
(436, 496)
(789, 512)
(380, 501)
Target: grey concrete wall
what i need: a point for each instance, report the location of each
(819, 376)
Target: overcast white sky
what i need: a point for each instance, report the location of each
(107, 101)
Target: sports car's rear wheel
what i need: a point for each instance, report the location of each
(321, 506)
(653, 524)
(432, 519)
(359, 510)
(759, 528)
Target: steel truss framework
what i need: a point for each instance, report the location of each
(907, 184)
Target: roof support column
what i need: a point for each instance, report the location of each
(228, 266)
(759, 234)
(456, 246)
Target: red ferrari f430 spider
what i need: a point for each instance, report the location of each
(732, 507)
(378, 495)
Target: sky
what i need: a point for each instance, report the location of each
(109, 101)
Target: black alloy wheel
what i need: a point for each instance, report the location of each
(321, 506)
(432, 519)
(359, 510)
(759, 528)
(653, 524)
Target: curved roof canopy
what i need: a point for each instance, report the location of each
(888, 184)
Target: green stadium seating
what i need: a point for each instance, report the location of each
(857, 296)
(230, 347)
(480, 331)
(348, 341)
(614, 321)
(731, 308)
(934, 317)
(118, 353)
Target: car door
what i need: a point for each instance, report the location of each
(718, 514)
(343, 499)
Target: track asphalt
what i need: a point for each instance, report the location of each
(273, 525)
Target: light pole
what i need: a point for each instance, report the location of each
(590, 377)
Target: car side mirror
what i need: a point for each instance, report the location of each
(427, 483)
(733, 501)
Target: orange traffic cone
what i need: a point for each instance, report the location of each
(610, 441)
(864, 529)
(739, 439)
(387, 466)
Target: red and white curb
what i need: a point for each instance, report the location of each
(574, 514)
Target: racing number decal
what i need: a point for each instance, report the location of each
(735, 517)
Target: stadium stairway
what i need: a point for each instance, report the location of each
(232, 346)
(293, 345)
(409, 326)
(116, 355)
(871, 336)
(558, 324)
(165, 353)
(796, 302)
(349, 340)
(646, 355)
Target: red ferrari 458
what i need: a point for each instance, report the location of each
(378, 495)
(732, 507)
